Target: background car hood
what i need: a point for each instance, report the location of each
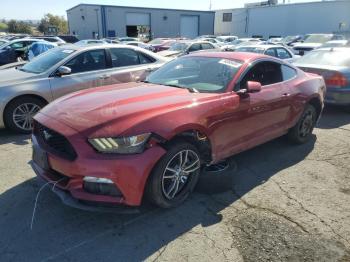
(93, 112)
(307, 45)
(13, 76)
(169, 53)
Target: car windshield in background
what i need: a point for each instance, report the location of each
(327, 58)
(178, 47)
(250, 49)
(198, 74)
(318, 39)
(156, 42)
(44, 62)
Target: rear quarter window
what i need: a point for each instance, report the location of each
(288, 73)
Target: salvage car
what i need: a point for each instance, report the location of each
(334, 65)
(313, 41)
(185, 47)
(280, 52)
(112, 145)
(15, 50)
(62, 70)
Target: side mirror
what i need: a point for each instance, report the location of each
(253, 87)
(63, 70)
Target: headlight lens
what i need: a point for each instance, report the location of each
(122, 145)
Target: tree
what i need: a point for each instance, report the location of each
(3, 27)
(50, 20)
(18, 27)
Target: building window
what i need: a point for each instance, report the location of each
(227, 17)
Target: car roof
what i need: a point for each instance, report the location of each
(261, 46)
(340, 48)
(242, 56)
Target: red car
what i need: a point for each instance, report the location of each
(116, 144)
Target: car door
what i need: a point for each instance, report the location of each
(88, 70)
(206, 46)
(194, 47)
(260, 116)
(270, 52)
(129, 65)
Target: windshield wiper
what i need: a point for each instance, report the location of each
(191, 89)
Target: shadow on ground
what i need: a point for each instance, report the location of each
(61, 233)
(7, 137)
(334, 117)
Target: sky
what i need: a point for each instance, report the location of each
(35, 9)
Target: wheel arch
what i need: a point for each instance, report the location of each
(18, 97)
(316, 102)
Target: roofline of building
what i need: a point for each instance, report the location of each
(136, 7)
(286, 4)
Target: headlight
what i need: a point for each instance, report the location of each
(122, 145)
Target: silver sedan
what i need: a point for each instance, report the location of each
(62, 70)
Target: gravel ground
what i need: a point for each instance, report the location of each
(287, 203)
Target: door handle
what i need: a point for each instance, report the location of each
(105, 77)
(286, 94)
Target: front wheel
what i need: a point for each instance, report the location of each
(302, 131)
(175, 175)
(19, 114)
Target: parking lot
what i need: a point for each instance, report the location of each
(287, 203)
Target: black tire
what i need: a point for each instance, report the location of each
(10, 111)
(302, 131)
(154, 188)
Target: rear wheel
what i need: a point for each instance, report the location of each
(19, 114)
(302, 131)
(175, 175)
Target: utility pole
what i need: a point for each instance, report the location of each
(210, 5)
(98, 24)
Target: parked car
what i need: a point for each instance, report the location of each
(334, 65)
(3, 41)
(140, 44)
(313, 41)
(90, 42)
(162, 44)
(336, 43)
(111, 40)
(52, 39)
(278, 51)
(71, 39)
(291, 40)
(275, 40)
(14, 51)
(62, 70)
(214, 41)
(38, 48)
(115, 144)
(231, 46)
(227, 38)
(127, 39)
(184, 47)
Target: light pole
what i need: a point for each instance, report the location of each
(98, 24)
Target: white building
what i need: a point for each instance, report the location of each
(91, 21)
(285, 19)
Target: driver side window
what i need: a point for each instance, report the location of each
(266, 73)
(88, 61)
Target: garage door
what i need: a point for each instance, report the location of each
(189, 26)
(137, 19)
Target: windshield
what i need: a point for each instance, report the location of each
(178, 47)
(318, 38)
(198, 74)
(235, 42)
(156, 41)
(326, 57)
(250, 49)
(47, 60)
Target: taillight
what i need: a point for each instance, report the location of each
(337, 79)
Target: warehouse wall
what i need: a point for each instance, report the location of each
(115, 18)
(290, 19)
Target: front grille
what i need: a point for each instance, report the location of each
(54, 142)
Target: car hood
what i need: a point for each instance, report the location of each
(13, 76)
(307, 45)
(169, 53)
(96, 112)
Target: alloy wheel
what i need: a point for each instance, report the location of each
(178, 171)
(23, 115)
(307, 123)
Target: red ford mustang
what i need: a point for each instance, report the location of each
(115, 144)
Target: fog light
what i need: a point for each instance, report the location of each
(101, 186)
(92, 179)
